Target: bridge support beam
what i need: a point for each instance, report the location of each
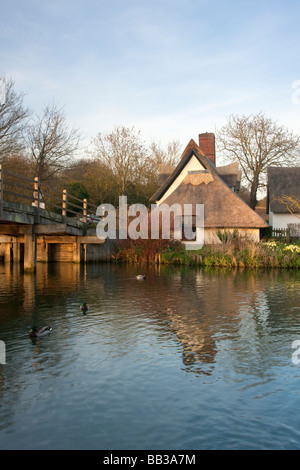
(77, 253)
(7, 253)
(29, 252)
(43, 250)
(16, 252)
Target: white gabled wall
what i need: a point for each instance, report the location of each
(192, 165)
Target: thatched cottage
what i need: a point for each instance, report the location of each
(283, 182)
(197, 180)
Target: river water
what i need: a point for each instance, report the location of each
(187, 359)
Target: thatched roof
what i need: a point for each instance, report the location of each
(222, 207)
(231, 175)
(282, 181)
(164, 172)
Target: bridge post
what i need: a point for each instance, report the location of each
(36, 192)
(64, 203)
(85, 211)
(36, 196)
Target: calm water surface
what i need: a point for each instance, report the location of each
(188, 359)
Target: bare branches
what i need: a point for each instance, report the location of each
(291, 203)
(168, 157)
(13, 119)
(257, 142)
(51, 144)
(128, 165)
(123, 152)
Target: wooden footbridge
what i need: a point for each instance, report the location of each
(45, 223)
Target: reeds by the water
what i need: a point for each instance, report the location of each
(233, 252)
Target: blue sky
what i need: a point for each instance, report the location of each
(170, 68)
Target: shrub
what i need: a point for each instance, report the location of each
(142, 250)
(234, 252)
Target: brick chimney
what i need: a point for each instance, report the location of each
(207, 145)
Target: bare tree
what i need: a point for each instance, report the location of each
(257, 142)
(13, 118)
(122, 152)
(168, 157)
(51, 144)
(128, 166)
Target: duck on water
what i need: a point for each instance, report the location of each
(84, 307)
(35, 332)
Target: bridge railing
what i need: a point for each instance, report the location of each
(21, 189)
(13, 191)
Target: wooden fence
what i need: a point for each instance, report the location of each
(282, 234)
(24, 190)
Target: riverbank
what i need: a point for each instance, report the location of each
(237, 254)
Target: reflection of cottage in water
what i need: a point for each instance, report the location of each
(206, 309)
(198, 347)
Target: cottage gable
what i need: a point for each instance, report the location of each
(190, 161)
(196, 180)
